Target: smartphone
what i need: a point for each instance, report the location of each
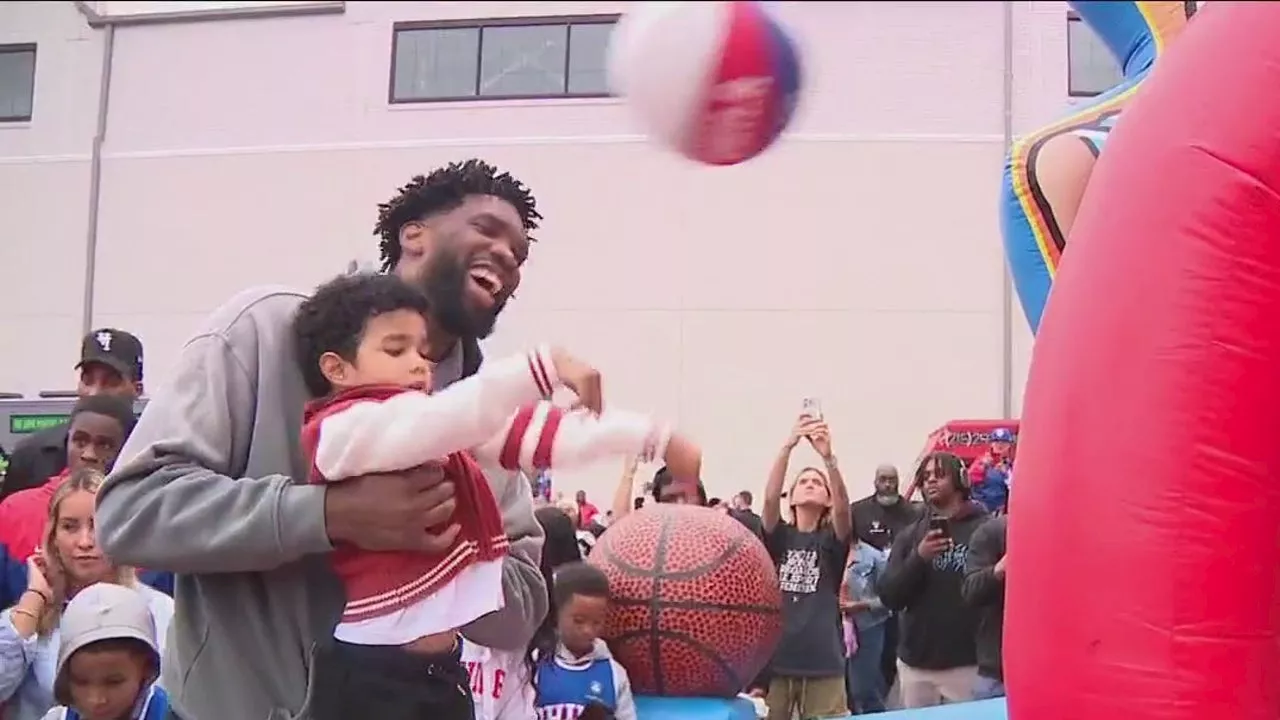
(812, 408)
(937, 522)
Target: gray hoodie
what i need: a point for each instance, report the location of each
(204, 488)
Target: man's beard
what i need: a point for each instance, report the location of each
(445, 281)
(887, 498)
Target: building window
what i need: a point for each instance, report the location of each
(500, 59)
(17, 82)
(1091, 68)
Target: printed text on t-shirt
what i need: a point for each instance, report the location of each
(799, 572)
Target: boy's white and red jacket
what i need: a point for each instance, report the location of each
(498, 416)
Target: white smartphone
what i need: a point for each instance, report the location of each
(812, 408)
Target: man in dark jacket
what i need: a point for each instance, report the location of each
(110, 364)
(878, 517)
(937, 658)
(984, 591)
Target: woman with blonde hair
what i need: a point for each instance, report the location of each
(68, 560)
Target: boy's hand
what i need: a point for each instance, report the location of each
(684, 460)
(581, 378)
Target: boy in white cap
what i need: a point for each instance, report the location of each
(108, 660)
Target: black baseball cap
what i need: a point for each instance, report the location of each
(117, 349)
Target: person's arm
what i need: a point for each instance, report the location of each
(771, 513)
(983, 580)
(543, 436)
(622, 495)
(849, 604)
(523, 588)
(841, 514)
(905, 574)
(18, 643)
(177, 477)
(412, 428)
(625, 706)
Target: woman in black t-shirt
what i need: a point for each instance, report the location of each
(810, 552)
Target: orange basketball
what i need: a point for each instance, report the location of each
(696, 605)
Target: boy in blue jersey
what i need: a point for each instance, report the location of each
(582, 679)
(108, 660)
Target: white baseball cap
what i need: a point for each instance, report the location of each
(104, 611)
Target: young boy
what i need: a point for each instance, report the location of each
(359, 342)
(582, 678)
(108, 660)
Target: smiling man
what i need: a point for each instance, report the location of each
(212, 483)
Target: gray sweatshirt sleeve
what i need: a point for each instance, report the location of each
(981, 586)
(175, 501)
(524, 589)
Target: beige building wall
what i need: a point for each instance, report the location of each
(857, 261)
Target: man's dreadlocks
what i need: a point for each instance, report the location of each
(444, 190)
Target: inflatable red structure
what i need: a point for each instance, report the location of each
(1144, 579)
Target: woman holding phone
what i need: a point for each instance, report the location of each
(808, 668)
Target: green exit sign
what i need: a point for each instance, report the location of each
(27, 424)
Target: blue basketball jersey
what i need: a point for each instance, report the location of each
(154, 707)
(563, 693)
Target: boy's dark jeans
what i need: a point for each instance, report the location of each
(359, 682)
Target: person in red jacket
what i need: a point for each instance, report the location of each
(359, 340)
(97, 430)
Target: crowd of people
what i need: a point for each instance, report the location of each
(336, 508)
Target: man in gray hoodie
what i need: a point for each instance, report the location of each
(209, 485)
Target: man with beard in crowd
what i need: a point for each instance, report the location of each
(877, 519)
(212, 485)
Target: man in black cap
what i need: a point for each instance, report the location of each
(110, 364)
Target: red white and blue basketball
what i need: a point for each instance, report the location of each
(716, 81)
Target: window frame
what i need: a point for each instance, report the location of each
(14, 49)
(568, 21)
(1074, 17)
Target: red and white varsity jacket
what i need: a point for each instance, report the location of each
(496, 414)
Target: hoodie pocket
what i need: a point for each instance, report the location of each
(304, 712)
